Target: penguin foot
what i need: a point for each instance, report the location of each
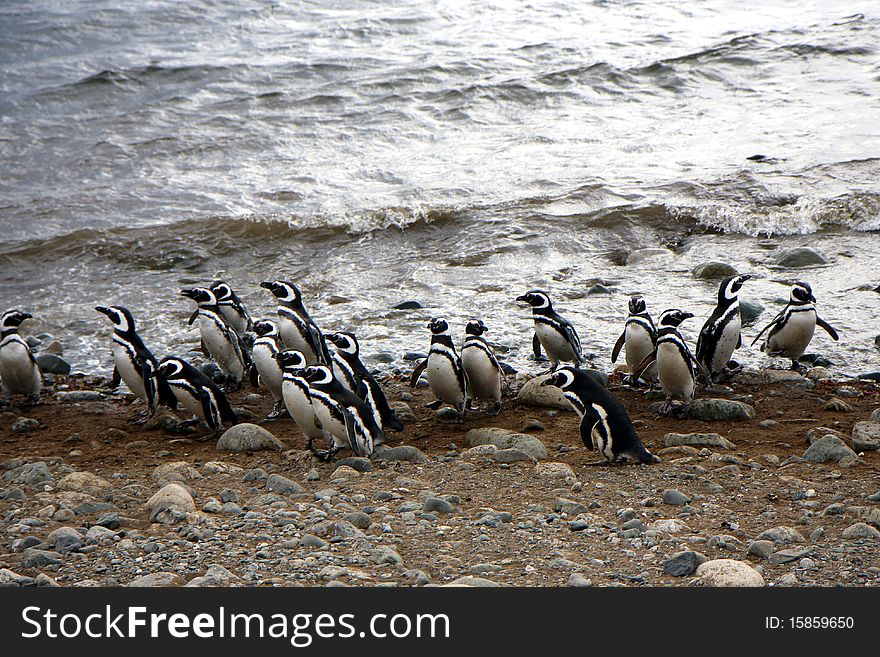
(797, 367)
(495, 410)
(603, 462)
(434, 405)
(279, 410)
(183, 424)
(325, 455)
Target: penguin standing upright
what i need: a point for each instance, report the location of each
(298, 330)
(222, 342)
(554, 333)
(721, 334)
(19, 372)
(231, 307)
(267, 344)
(481, 366)
(792, 329)
(134, 363)
(345, 416)
(197, 393)
(640, 337)
(347, 354)
(676, 365)
(605, 424)
(297, 398)
(445, 374)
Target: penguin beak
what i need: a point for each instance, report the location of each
(744, 278)
(685, 316)
(25, 316)
(523, 298)
(269, 285)
(190, 294)
(104, 310)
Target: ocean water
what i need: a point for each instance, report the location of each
(453, 153)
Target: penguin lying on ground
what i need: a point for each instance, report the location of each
(19, 372)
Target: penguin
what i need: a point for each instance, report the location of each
(134, 363)
(297, 399)
(223, 344)
(197, 394)
(792, 329)
(298, 330)
(676, 365)
(554, 333)
(640, 337)
(445, 373)
(267, 344)
(721, 334)
(346, 417)
(605, 425)
(347, 351)
(19, 372)
(231, 307)
(481, 366)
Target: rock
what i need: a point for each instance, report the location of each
(99, 534)
(506, 439)
(171, 503)
(828, 448)
(838, 406)
(749, 311)
(510, 455)
(683, 564)
(861, 530)
(65, 538)
(52, 364)
(787, 556)
(713, 270)
(216, 575)
(408, 305)
(83, 481)
(554, 470)
(720, 409)
(36, 558)
(247, 437)
(728, 572)
(283, 485)
(416, 577)
(781, 534)
(76, 396)
(866, 436)
(9, 578)
(359, 463)
(697, 440)
(816, 433)
(470, 580)
(641, 255)
(176, 471)
(762, 548)
(438, 505)
(674, 497)
(803, 256)
(569, 507)
(44, 580)
(344, 472)
(312, 541)
(384, 555)
(24, 425)
(160, 579)
(534, 394)
(30, 474)
(164, 420)
(399, 453)
(359, 519)
(579, 581)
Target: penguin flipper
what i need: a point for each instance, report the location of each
(193, 317)
(646, 362)
(574, 341)
(773, 322)
(828, 328)
(166, 395)
(536, 346)
(224, 408)
(209, 410)
(618, 346)
(115, 378)
(358, 439)
(588, 422)
(148, 374)
(417, 372)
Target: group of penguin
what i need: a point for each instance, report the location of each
(320, 381)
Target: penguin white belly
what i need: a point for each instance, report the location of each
(793, 339)
(127, 372)
(299, 405)
(342, 374)
(293, 339)
(190, 403)
(674, 372)
(331, 425)
(727, 342)
(270, 374)
(443, 380)
(639, 345)
(554, 343)
(222, 351)
(18, 374)
(484, 378)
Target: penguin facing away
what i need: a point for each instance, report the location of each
(134, 363)
(791, 331)
(19, 372)
(481, 366)
(639, 337)
(197, 394)
(267, 344)
(222, 342)
(298, 330)
(605, 425)
(444, 371)
(721, 335)
(554, 333)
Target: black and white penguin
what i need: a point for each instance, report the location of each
(298, 330)
(134, 364)
(640, 337)
(792, 329)
(605, 424)
(555, 333)
(721, 334)
(445, 373)
(347, 355)
(345, 416)
(481, 366)
(223, 344)
(267, 344)
(19, 372)
(231, 307)
(197, 393)
(296, 395)
(676, 365)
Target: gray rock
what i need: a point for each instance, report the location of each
(511, 456)
(674, 497)
(781, 534)
(247, 437)
(171, 503)
(720, 409)
(728, 572)
(534, 394)
(803, 256)
(762, 548)
(579, 581)
(641, 255)
(359, 463)
(787, 556)
(216, 575)
(30, 474)
(24, 425)
(359, 519)
(384, 555)
(866, 436)
(283, 485)
(749, 311)
(569, 507)
(160, 579)
(408, 305)
(506, 439)
(713, 270)
(312, 541)
(65, 538)
(438, 505)
(697, 440)
(52, 364)
(828, 448)
(75, 396)
(861, 530)
(36, 558)
(470, 580)
(683, 564)
(9, 578)
(399, 453)
(416, 577)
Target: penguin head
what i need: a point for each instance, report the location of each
(201, 295)
(170, 367)
(290, 359)
(284, 291)
(438, 325)
(265, 327)
(318, 374)
(345, 342)
(730, 287)
(222, 291)
(537, 299)
(802, 293)
(637, 306)
(563, 378)
(674, 317)
(13, 319)
(475, 327)
(121, 317)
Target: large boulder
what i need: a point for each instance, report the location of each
(828, 448)
(728, 572)
(506, 439)
(803, 256)
(709, 409)
(248, 437)
(170, 504)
